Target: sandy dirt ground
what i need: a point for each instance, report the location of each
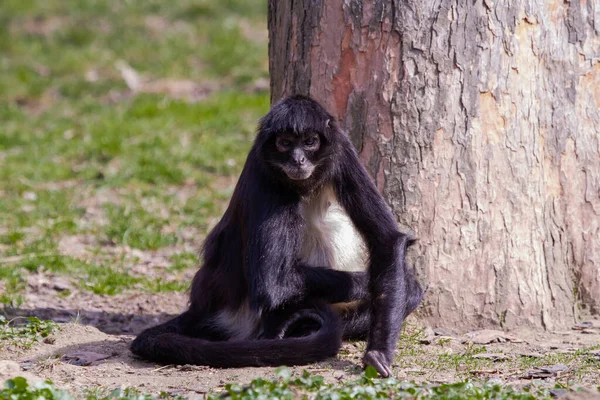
(91, 350)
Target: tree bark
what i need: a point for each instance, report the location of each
(480, 123)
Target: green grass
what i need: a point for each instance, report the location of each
(59, 41)
(82, 154)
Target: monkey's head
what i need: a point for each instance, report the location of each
(295, 141)
(296, 154)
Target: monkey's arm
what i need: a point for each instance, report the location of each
(271, 255)
(334, 286)
(394, 291)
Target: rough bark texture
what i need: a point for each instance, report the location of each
(480, 123)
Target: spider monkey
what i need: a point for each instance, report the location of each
(307, 253)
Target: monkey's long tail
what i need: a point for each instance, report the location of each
(175, 348)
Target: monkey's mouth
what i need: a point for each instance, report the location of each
(298, 173)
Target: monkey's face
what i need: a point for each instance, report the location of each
(296, 155)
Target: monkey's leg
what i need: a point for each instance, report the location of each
(355, 317)
(297, 320)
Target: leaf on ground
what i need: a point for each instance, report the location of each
(84, 358)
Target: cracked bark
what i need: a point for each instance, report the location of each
(480, 124)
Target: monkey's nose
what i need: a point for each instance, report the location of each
(300, 160)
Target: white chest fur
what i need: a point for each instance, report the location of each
(330, 239)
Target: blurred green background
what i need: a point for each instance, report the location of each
(123, 126)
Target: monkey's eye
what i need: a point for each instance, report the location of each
(311, 142)
(283, 145)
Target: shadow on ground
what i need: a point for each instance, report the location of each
(113, 323)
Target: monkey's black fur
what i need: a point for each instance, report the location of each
(252, 269)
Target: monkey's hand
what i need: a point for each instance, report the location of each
(378, 360)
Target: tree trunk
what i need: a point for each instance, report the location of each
(480, 124)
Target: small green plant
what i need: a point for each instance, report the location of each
(306, 386)
(24, 335)
(127, 394)
(19, 389)
(369, 386)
